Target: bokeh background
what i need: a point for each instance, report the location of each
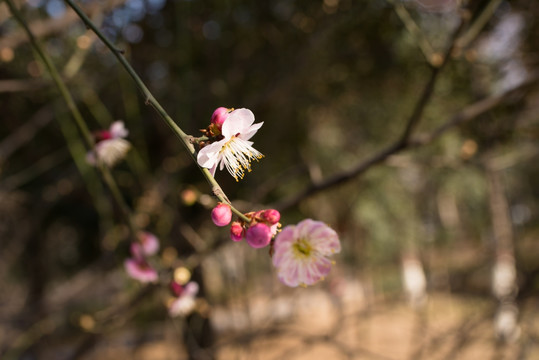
(440, 233)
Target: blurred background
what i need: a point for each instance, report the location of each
(439, 229)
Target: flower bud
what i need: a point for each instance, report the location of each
(219, 116)
(271, 216)
(258, 235)
(236, 231)
(221, 215)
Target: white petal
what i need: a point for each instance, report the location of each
(111, 151)
(238, 122)
(208, 156)
(251, 131)
(117, 129)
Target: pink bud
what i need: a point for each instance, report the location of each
(221, 215)
(219, 116)
(236, 231)
(258, 235)
(272, 216)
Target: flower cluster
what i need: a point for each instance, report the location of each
(300, 252)
(258, 232)
(228, 142)
(111, 146)
(137, 266)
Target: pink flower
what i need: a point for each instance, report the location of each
(185, 301)
(219, 116)
(140, 270)
(221, 215)
(258, 235)
(236, 231)
(149, 242)
(301, 252)
(111, 147)
(234, 151)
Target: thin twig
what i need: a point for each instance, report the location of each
(415, 31)
(399, 145)
(466, 114)
(185, 139)
(478, 25)
(79, 120)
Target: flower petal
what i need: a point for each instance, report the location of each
(238, 122)
(117, 130)
(208, 156)
(246, 135)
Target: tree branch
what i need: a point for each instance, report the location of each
(466, 114)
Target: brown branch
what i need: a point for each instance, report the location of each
(401, 144)
(467, 114)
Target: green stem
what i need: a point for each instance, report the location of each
(150, 100)
(107, 176)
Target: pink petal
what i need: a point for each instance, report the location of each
(140, 271)
(149, 242)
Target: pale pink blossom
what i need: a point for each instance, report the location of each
(111, 147)
(301, 252)
(149, 242)
(139, 269)
(185, 302)
(221, 215)
(234, 151)
(258, 235)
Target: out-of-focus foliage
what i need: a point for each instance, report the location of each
(334, 82)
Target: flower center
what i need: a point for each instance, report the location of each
(302, 248)
(237, 155)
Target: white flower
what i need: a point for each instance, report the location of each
(234, 151)
(111, 146)
(185, 303)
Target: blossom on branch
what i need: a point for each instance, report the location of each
(111, 146)
(232, 149)
(185, 301)
(301, 252)
(137, 267)
(149, 243)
